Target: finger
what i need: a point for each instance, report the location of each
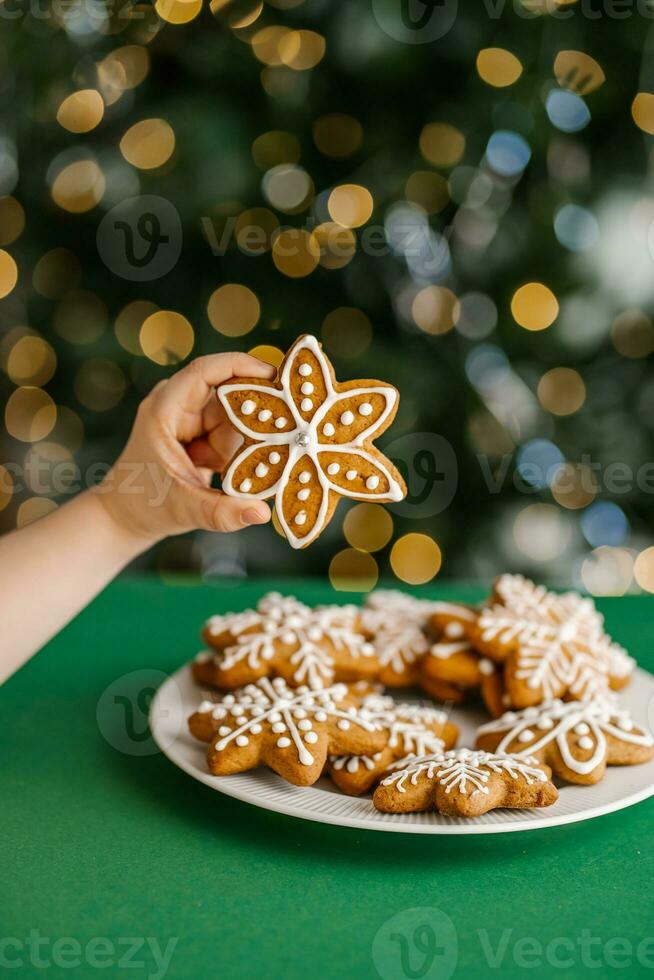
(191, 388)
(211, 510)
(202, 454)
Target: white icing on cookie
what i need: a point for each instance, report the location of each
(464, 770)
(248, 406)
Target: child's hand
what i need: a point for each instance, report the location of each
(160, 484)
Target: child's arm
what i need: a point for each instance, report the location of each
(158, 486)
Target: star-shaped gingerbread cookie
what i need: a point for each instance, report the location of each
(291, 731)
(465, 783)
(308, 440)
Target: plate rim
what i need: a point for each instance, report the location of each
(393, 823)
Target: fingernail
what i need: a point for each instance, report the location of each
(252, 516)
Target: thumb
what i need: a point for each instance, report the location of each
(212, 510)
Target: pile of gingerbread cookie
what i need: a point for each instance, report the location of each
(305, 691)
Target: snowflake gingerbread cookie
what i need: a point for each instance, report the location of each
(308, 441)
(283, 637)
(292, 731)
(411, 730)
(395, 623)
(577, 739)
(465, 783)
(551, 645)
(453, 666)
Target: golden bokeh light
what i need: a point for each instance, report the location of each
(353, 571)
(266, 44)
(81, 317)
(608, 571)
(561, 391)
(577, 71)
(288, 188)
(56, 272)
(574, 485)
(644, 569)
(82, 111)
(346, 332)
(100, 384)
(12, 220)
(166, 337)
(350, 205)
(178, 11)
(6, 487)
(337, 244)
(498, 67)
(534, 306)
(148, 144)
(274, 148)
(68, 430)
(368, 527)
(79, 186)
(301, 50)
(541, 532)
(337, 135)
(416, 558)
(31, 361)
(128, 323)
(239, 13)
(233, 310)
(632, 334)
(442, 144)
(295, 252)
(131, 63)
(433, 309)
(254, 230)
(428, 190)
(30, 414)
(642, 112)
(8, 273)
(267, 353)
(33, 509)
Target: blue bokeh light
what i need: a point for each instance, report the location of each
(538, 461)
(567, 111)
(507, 153)
(604, 523)
(576, 228)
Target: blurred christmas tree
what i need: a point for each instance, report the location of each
(456, 201)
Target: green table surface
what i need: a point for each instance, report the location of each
(118, 864)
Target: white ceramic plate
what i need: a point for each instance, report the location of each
(179, 696)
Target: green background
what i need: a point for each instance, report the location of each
(100, 843)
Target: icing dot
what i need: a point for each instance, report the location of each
(486, 667)
(275, 715)
(526, 735)
(545, 724)
(328, 429)
(305, 370)
(333, 469)
(245, 486)
(242, 720)
(280, 422)
(311, 738)
(350, 475)
(283, 743)
(264, 414)
(261, 469)
(625, 725)
(224, 730)
(278, 727)
(304, 476)
(288, 637)
(581, 729)
(304, 725)
(303, 494)
(365, 408)
(274, 458)
(344, 724)
(306, 404)
(347, 418)
(242, 740)
(300, 518)
(255, 729)
(315, 634)
(306, 388)
(585, 742)
(320, 716)
(372, 482)
(299, 713)
(248, 406)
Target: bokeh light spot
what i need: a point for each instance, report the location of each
(33, 509)
(416, 558)
(433, 309)
(368, 527)
(442, 144)
(31, 361)
(79, 186)
(233, 310)
(561, 391)
(100, 384)
(346, 332)
(166, 337)
(353, 571)
(82, 111)
(534, 306)
(498, 67)
(267, 353)
(295, 252)
(148, 144)
(30, 414)
(8, 273)
(12, 220)
(350, 205)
